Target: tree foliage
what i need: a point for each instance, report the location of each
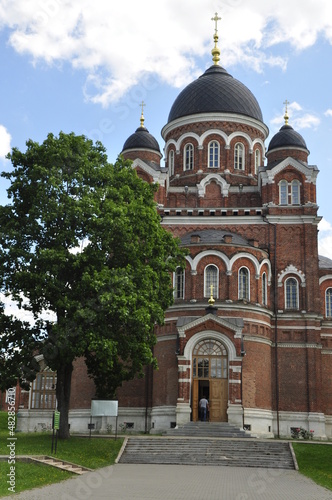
(81, 238)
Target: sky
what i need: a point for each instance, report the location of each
(85, 67)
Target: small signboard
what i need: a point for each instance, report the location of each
(56, 421)
(105, 408)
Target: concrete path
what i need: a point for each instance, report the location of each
(181, 482)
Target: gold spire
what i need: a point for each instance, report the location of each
(142, 115)
(286, 117)
(215, 51)
(211, 299)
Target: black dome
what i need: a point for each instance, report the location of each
(141, 139)
(287, 136)
(216, 91)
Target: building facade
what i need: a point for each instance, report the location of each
(251, 323)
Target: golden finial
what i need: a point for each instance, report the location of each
(142, 115)
(215, 51)
(286, 117)
(211, 299)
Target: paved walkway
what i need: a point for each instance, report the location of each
(182, 482)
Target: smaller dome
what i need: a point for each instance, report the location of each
(141, 139)
(287, 137)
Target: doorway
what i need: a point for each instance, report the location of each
(210, 379)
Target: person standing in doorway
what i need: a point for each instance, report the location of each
(204, 407)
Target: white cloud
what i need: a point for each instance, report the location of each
(298, 118)
(5, 139)
(325, 238)
(328, 112)
(116, 44)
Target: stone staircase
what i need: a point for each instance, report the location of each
(209, 429)
(208, 451)
(60, 464)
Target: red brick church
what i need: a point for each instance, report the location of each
(251, 324)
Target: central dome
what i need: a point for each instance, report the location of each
(216, 91)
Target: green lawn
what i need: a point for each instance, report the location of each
(315, 461)
(92, 453)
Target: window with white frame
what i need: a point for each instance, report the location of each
(295, 193)
(239, 156)
(43, 391)
(244, 283)
(213, 161)
(328, 302)
(188, 157)
(264, 289)
(179, 283)
(289, 192)
(211, 281)
(171, 162)
(291, 293)
(283, 192)
(257, 160)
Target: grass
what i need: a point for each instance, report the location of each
(315, 461)
(91, 453)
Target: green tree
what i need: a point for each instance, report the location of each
(81, 238)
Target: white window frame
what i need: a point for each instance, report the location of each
(264, 289)
(295, 192)
(328, 302)
(179, 283)
(208, 283)
(283, 192)
(171, 162)
(188, 157)
(244, 294)
(257, 160)
(290, 303)
(214, 154)
(239, 155)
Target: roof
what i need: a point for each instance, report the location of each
(141, 139)
(287, 137)
(216, 91)
(213, 236)
(324, 262)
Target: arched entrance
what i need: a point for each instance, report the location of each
(210, 378)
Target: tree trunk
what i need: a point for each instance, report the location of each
(63, 386)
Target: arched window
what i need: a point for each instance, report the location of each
(211, 280)
(257, 160)
(244, 284)
(188, 157)
(171, 162)
(210, 359)
(295, 192)
(283, 192)
(291, 294)
(213, 160)
(328, 302)
(264, 289)
(179, 283)
(239, 156)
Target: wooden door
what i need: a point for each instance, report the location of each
(218, 400)
(194, 400)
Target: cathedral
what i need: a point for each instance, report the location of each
(251, 324)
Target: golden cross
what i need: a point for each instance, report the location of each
(142, 104)
(216, 19)
(286, 111)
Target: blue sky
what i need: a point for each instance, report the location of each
(85, 67)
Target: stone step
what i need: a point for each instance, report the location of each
(60, 464)
(190, 451)
(216, 429)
